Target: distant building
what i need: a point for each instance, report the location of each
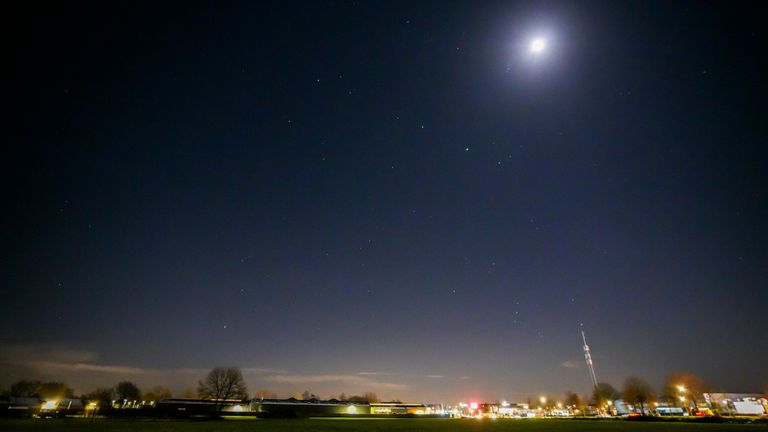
(515, 411)
(738, 403)
(664, 409)
(61, 407)
(187, 407)
(621, 408)
(397, 408)
(284, 408)
(294, 408)
(19, 407)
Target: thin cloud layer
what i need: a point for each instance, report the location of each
(83, 370)
(570, 364)
(354, 380)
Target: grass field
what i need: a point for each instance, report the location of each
(367, 425)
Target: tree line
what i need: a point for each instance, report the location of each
(680, 389)
(122, 391)
(220, 384)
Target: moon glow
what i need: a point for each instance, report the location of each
(537, 45)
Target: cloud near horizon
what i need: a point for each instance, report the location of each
(570, 364)
(82, 370)
(355, 380)
(53, 358)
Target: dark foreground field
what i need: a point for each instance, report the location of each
(366, 425)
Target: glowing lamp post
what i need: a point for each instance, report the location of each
(683, 391)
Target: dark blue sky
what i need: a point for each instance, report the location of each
(315, 190)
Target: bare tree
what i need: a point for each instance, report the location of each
(603, 393)
(686, 385)
(637, 391)
(221, 384)
(155, 394)
(102, 396)
(189, 393)
(369, 397)
(127, 391)
(573, 401)
(25, 388)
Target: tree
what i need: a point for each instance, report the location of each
(155, 394)
(367, 397)
(189, 393)
(549, 402)
(637, 391)
(603, 393)
(265, 394)
(223, 383)
(309, 396)
(343, 396)
(573, 400)
(26, 388)
(127, 390)
(686, 385)
(102, 396)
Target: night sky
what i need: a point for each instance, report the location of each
(395, 197)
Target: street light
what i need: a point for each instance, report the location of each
(681, 388)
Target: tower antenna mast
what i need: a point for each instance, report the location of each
(588, 359)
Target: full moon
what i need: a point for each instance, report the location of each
(537, 45)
